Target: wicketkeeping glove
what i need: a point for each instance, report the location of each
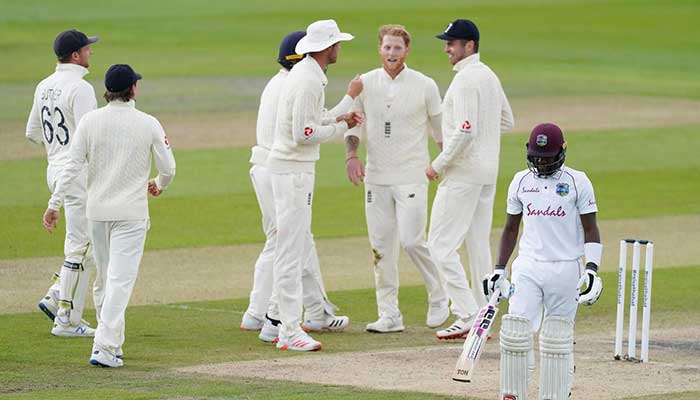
(593, 286)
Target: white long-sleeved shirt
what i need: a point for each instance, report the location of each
(302, 122)
(60, 101)
(475, 111)
(267, 118)
(117, 141)
(399, 115)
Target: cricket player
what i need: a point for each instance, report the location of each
(558, 209)
(475, 111)
(401, 108)
(60, 101)
(117, 142)
(263, 313)
(301, 126)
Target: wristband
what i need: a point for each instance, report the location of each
(593, 252)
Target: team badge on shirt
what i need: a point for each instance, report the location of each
(167, 144)
(562, 189)
(308, 132)
(466, 127)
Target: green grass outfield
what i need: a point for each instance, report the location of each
(163, 337)
(636, 173)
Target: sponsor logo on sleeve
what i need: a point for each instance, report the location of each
(165, 139)
(562, 189)
(308, 132)
(466, 127)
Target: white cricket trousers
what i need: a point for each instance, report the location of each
(118, 249)
(462, 213)
(76, 272)
(261, 296)
(396, 215)
(293, 193)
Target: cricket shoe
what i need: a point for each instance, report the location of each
(299, 342)
(67, 330)
(332, 323)
(103, 358)
(119, 353)
(269, 332)
(458, 330)
(250, 323)
(437, 315)
(49, 304)
(386, 325)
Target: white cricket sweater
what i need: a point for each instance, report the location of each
(117, 141)
(60, 101)
(267, 118)
(398, 115)
(475, 111)
(302, 123)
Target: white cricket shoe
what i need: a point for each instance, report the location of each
(49, 304)
(120, 353)
(250, 323)
(64, 329)
(458, 330)
(269, 332)
(300, 342)
(437, 315)
(386, 325)
(104, 358)
(332, 323)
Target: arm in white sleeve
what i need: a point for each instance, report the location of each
(34, 129)
(436, 127)
(341, 108)
(163, 156)
(84, 101)
(465, 107)
(358, 106)
(306, 121)
(507, 120)
(433, 105)
(78, 157)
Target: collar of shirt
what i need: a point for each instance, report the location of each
(472, 59)
(386, 75)
(118, 103)
(314, 67)
(72, 68)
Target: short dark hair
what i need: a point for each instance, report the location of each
(65, 59)
(124, 95)
(476, 44)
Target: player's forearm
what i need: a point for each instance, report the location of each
(352, 143)
(509, 238)
(341, 108)
(453, 146)
(313, 133)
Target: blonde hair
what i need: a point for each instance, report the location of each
(394, 30)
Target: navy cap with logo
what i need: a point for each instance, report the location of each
(120, 77)
(546, 140)
(71, 40)
(463, 29)
(287, 55)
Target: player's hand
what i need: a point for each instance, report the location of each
(352, 119)
(153, 188)
(51, 218)
(355, 170)
(355, 87)
(593, 287)
(431, 173)
(497, 280)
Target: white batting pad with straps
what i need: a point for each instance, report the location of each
(556, 348)
(516, 343)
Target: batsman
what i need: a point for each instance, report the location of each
(558, 209)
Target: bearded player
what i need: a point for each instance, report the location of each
(558, 209)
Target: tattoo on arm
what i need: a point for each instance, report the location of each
(351, 145)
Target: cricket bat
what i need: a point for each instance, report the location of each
(476, 339)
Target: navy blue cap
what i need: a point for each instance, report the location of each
(287, 55)
(72, 40)
(120, 77)
(463, 29)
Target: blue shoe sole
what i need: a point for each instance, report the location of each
(46, 311)
(98, 364)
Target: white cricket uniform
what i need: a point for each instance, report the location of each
(398, 115)
(475, 111)
(117, 142)
(60, 101)
(261, 300)
(548, 266)
(302, 124)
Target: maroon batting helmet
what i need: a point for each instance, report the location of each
(546, 149)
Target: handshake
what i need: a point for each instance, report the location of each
(352, 119)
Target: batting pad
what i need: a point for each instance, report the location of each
(556, 346)
(516, 343)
